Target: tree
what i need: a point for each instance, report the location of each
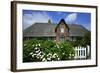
(86, 39)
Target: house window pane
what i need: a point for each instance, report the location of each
(62, 30)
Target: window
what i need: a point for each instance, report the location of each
(62, 30)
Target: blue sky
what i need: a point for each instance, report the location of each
(32, 16)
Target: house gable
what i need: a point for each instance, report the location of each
(61, 23)
(62, 30)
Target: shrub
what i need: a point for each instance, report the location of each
(39, 50)
(82, 41)
(67, 51)
(86, 39)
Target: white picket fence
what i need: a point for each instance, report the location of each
(81, 52)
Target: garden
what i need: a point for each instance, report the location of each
(35, 50)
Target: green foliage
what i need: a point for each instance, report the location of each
(35, 50)
(28, 46)
(86, 39)
(82, 41)
(67, 51)
(39, 50)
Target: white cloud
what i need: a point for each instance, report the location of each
(29, 19)
(71, 18)
(87, 26)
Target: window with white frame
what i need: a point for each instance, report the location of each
(62, 30)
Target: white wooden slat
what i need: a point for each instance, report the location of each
(81, 52)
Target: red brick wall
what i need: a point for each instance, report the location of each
(58, 31)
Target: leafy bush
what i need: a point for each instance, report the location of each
(67, 51)
(28, 46)
(39, 50)
(86, 39)
(82, 41)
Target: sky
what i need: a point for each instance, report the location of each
(32, 16)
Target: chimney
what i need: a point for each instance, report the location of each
(49, 22)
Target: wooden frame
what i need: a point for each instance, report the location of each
(14, 22)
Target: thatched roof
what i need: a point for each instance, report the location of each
(77, 30)
(40, 30)
(47, 29)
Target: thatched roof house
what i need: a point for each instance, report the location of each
(56, 31)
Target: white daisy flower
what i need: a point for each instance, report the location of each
(37, 51)
(72, 54)
(54, 56)
(48, 58)
(63, 53)
(43, 53)
(39, 44)
(25, 44)
(58, 58)
(44, 59)
(69, 57)
(38, 57)
(57, 46)
(42, 56)
(36, 48)
(33, 45)
(31, 53)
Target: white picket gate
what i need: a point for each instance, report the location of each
(81, 52)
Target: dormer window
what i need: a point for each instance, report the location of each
(62, 30)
